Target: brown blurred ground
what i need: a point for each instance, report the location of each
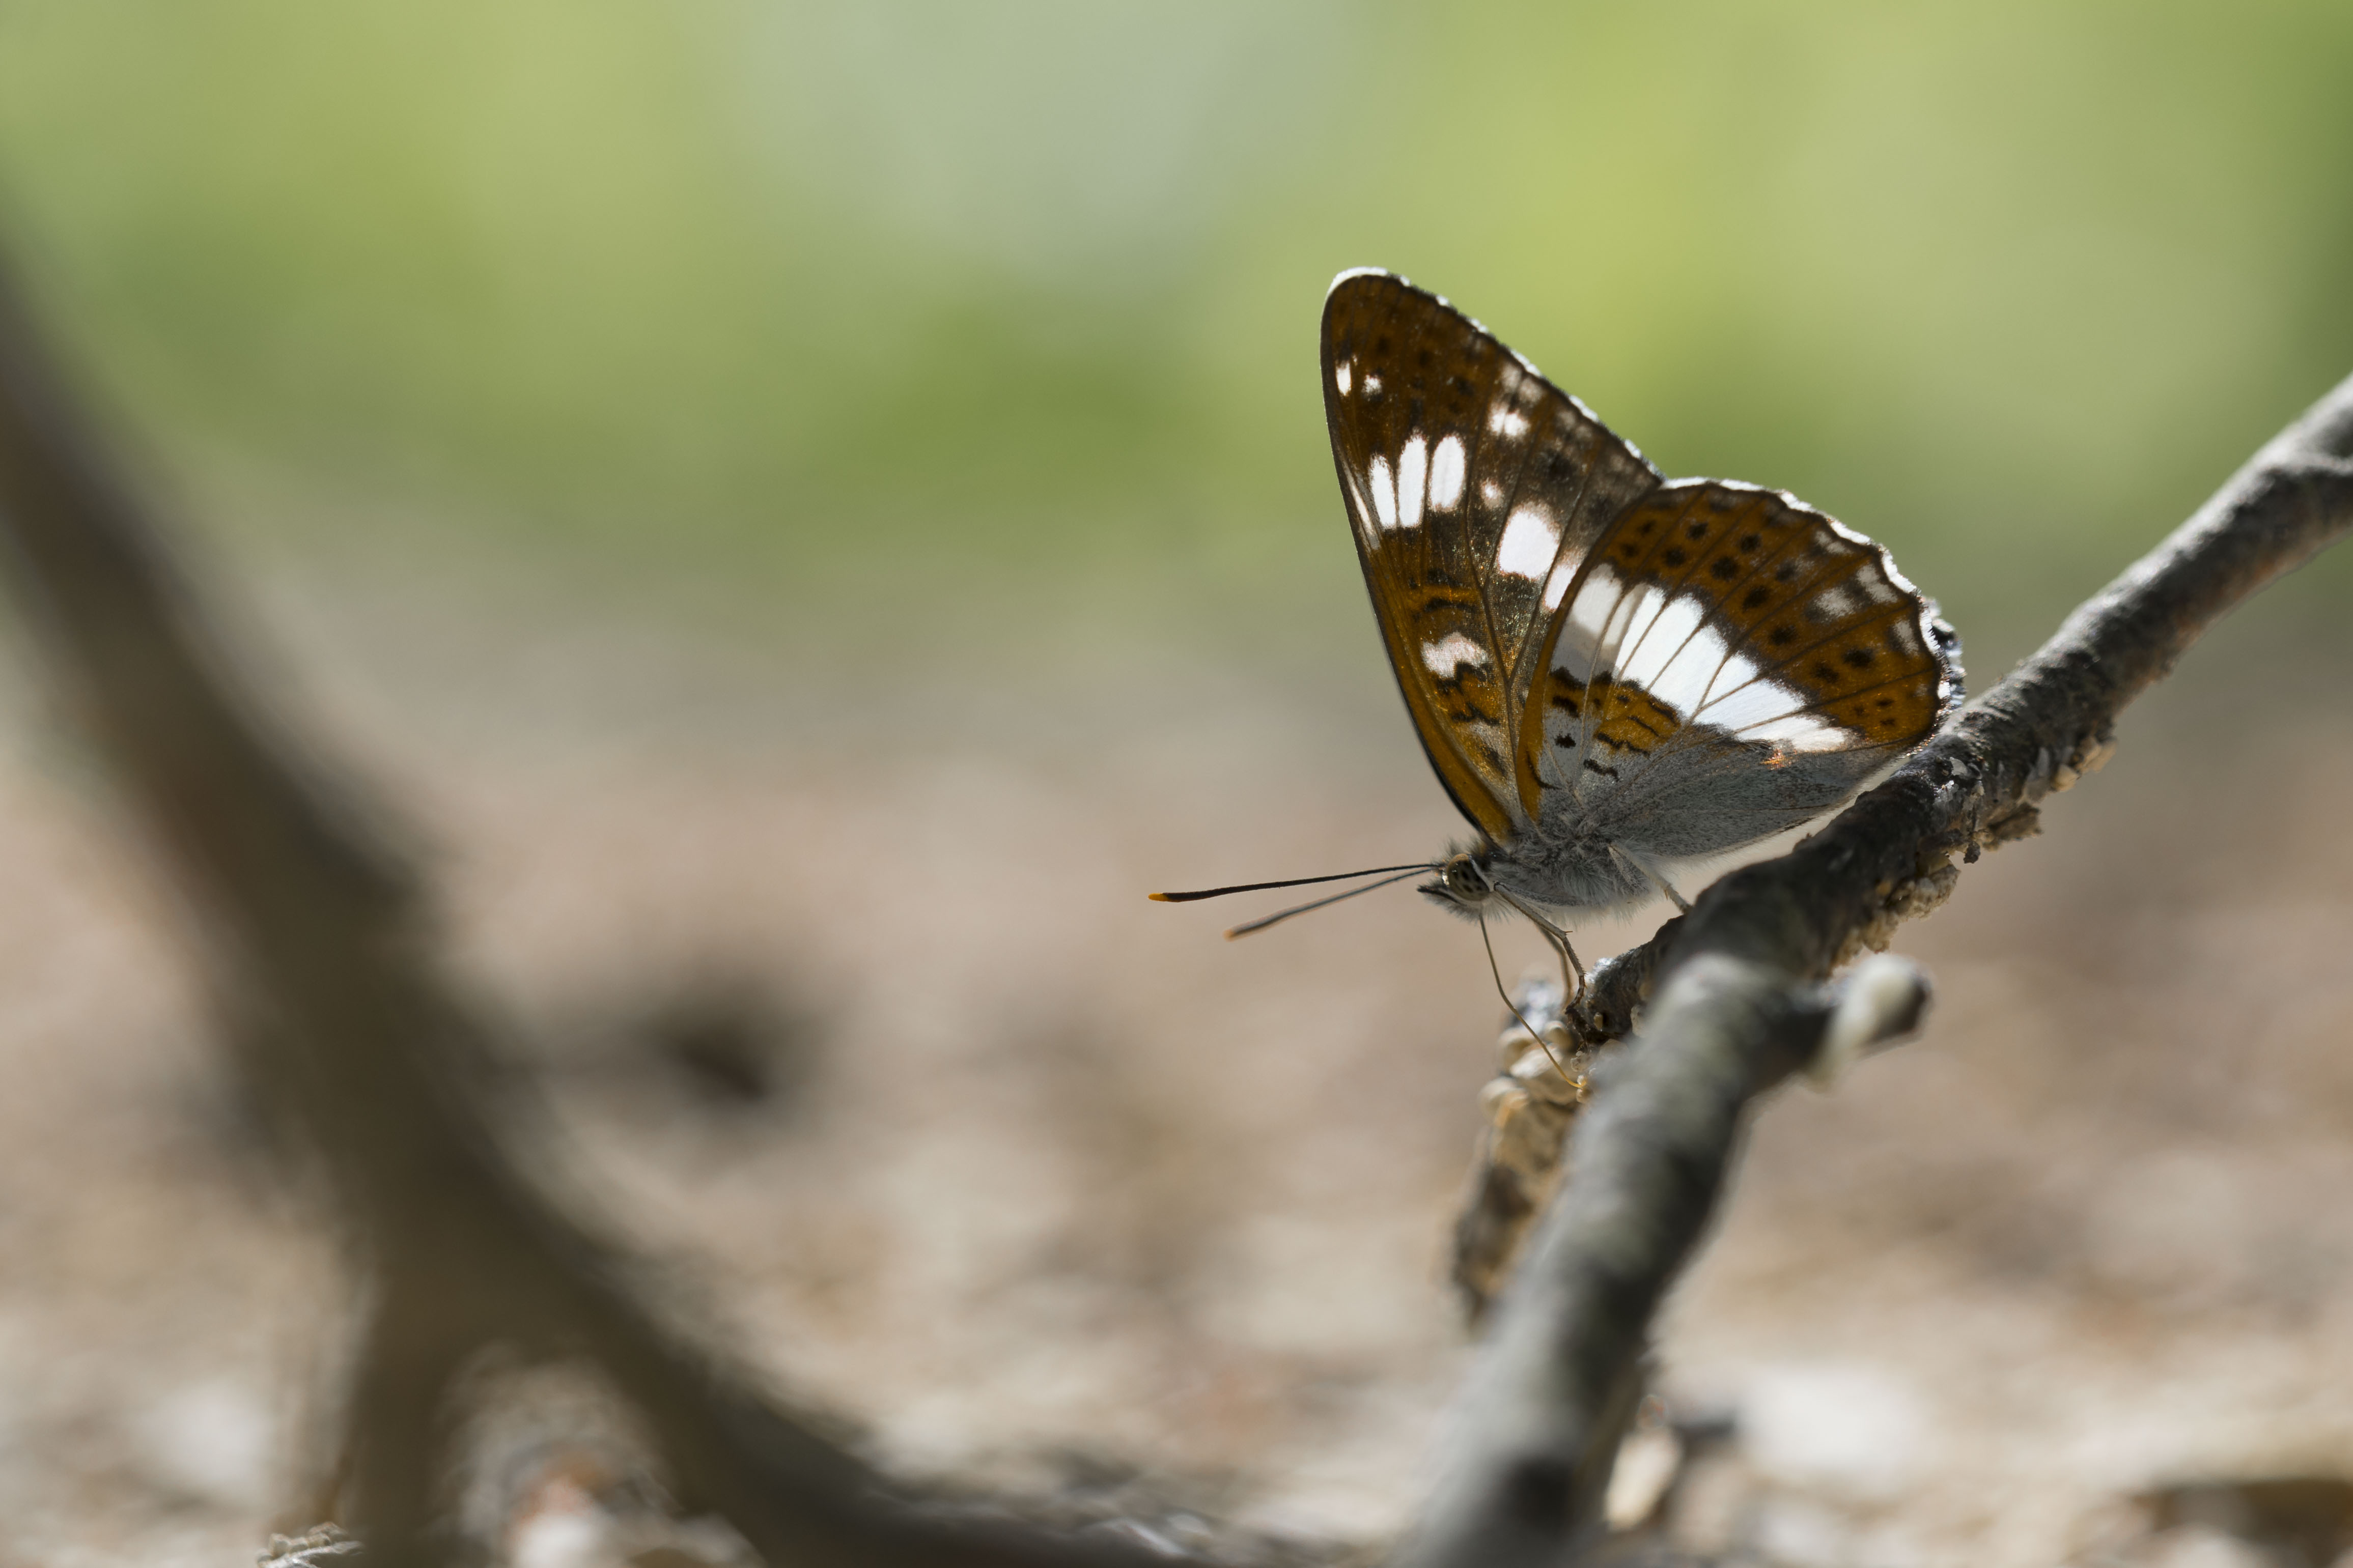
(866, 1029)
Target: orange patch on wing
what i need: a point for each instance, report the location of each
(1631, 718)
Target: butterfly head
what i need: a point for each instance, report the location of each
(1463, 884)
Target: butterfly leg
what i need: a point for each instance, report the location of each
(1572, 973)
(1682, 905)
(1568, 952)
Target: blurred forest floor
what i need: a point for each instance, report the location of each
(855, 1017)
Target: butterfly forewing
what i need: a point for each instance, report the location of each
(1477, 490)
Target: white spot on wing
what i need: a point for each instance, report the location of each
(1384, 492)
(1579, 650)
(1672, 657)
(1453, 649)
(1506, 421)
(1748, 702)
(1413, 481)
(1732, 675)
(1594, 603)
(1529, 543)
(1446, 475)
(1372, 387)
(1490, 492)
(1838, 602)
(1345, 377)
(1693, 670)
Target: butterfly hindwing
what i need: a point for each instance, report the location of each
(1477, 490)
(1727, 663)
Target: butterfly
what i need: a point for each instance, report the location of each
(1615, 675)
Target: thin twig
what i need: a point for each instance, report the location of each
(317, 928)
(1736, 1009)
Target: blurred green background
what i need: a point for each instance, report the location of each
(857, 304)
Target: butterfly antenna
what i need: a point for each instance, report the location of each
(1495, 969)
(1280, 915)
(1292, 882)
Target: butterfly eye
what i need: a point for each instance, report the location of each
(1464, 878)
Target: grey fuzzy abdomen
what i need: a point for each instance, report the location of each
(1574, 872)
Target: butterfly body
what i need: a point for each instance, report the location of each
(1613, 674)
(1579, 872)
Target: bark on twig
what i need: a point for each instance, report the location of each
(315, 925)
(1736, 1009)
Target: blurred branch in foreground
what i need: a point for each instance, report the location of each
(311, 923)
(1740, 1003)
